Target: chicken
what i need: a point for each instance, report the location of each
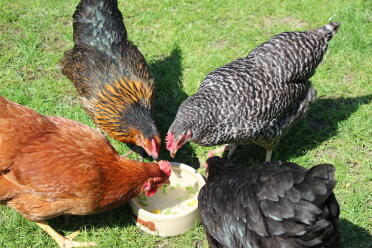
(275, 205)
(255, 99)
(111, 76)
(51, 166)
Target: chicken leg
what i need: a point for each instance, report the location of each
(63, 242)
(268, 155)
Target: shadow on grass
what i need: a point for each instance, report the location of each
(169, 95)
(353, 236)
(119, 217)
(319, 125)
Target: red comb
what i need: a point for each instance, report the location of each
(165, 166)
(169, 140)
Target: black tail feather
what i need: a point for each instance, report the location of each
(98, 23)
(321, 180)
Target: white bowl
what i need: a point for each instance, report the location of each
(174, 224)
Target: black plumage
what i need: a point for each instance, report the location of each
(274, 205)
(256, 98)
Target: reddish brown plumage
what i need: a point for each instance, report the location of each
(52, 166)
(29, 123)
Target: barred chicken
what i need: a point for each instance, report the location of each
(255, 99)
(274, 205)
(51, 166)
(111, 76)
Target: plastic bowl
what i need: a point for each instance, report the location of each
(174, 224)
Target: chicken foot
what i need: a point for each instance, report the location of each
(63, 242)
(229, 149)
(128, 153)
(140, 158)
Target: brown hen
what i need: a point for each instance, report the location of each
(111, 76)
(51, 166)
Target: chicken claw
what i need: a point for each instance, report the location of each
(226, 150)
(64, 242)
(72, 235)
(128, 153)
(216, 151)
(70, 244)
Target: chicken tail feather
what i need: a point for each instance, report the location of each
(329, 30)
(99, 24)
(6, 189)
(320, 180)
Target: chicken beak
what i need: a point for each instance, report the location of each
(155, 157)
(173, 154)
(166, 181)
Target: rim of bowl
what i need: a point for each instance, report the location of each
(181, 166)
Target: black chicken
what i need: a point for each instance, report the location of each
(274, 205)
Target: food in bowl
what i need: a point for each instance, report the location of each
(173, 210)
(171, 199)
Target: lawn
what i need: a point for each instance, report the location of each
(183, 41)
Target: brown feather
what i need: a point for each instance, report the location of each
(113, 101)
(29, 123)
(68, 168)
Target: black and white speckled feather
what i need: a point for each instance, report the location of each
(273, 205)
(259, 97)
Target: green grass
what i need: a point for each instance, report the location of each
(183, 41)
